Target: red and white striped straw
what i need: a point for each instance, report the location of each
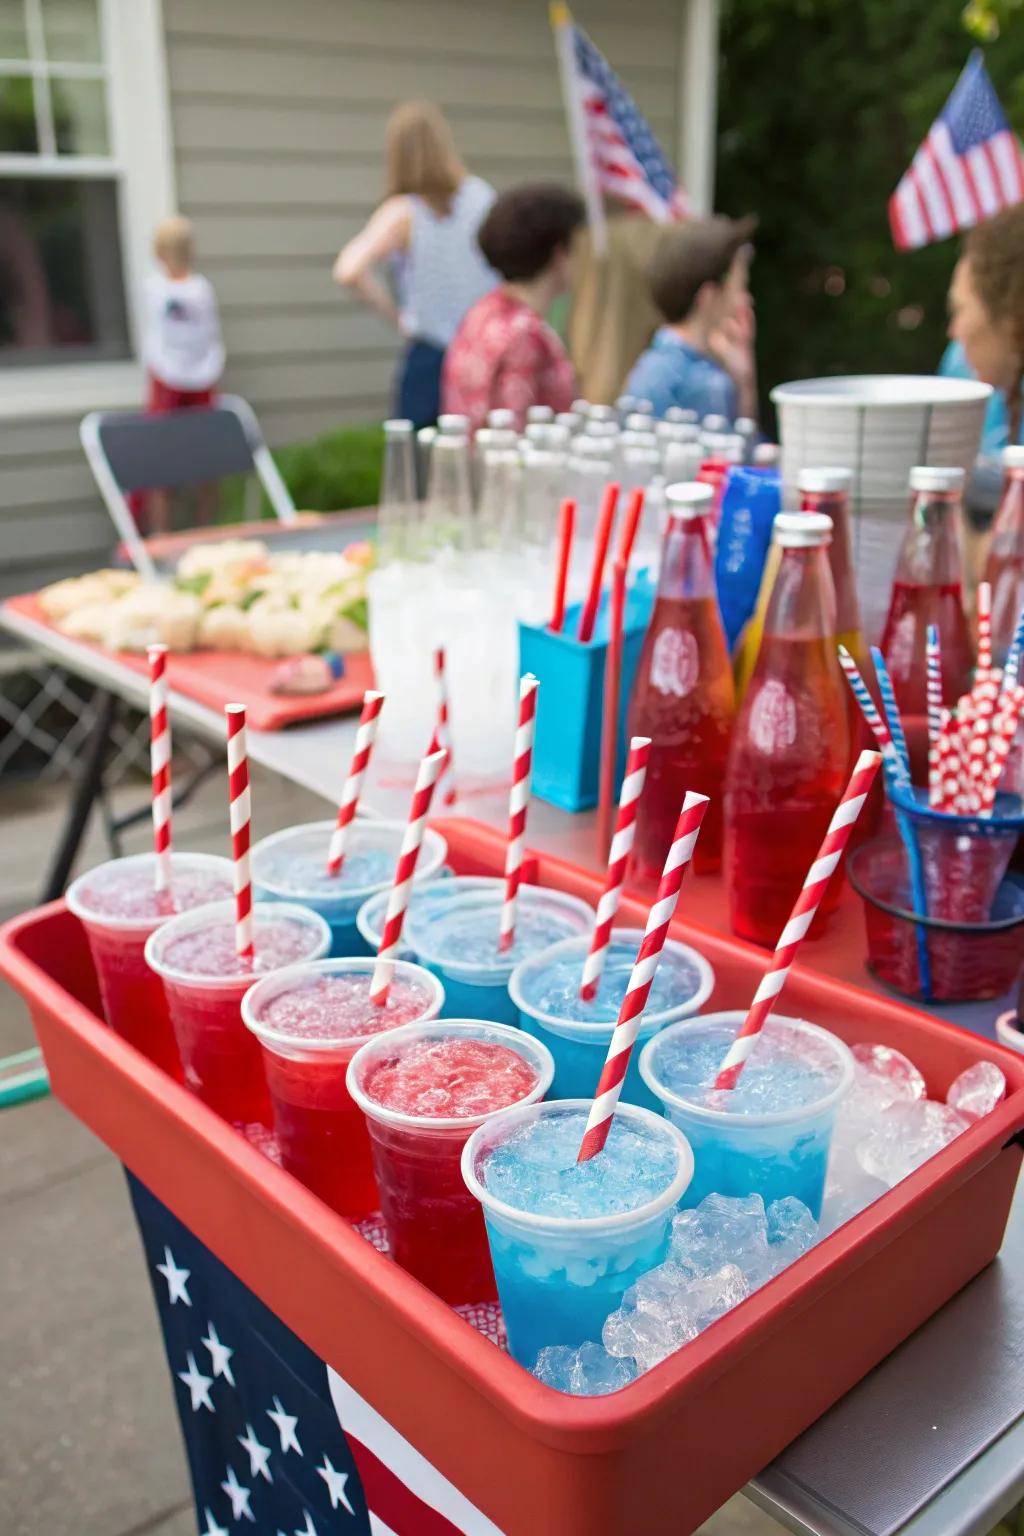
(609, 1087)
(1004, 730)
(240, 817)
(426, 778)
(985, 694)
(442, 732)
(984, 603)
(519, 799)
(618, 859)
(933, 686)
(801, 917)
(366, 735)
(160, 764)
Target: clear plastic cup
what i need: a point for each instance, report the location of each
(118, 907)
(306, 1051)
(292, 866)
(544, 989)
(204, 983)
(458, 940)
(963, 858)
(434, 1225)
(560, 1276)
(773, 1153)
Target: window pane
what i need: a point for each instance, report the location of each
(13, 41)
(80, 116)
(17, 116)
(72, 31)
(61, 284)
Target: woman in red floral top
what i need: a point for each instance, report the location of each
(504, 353)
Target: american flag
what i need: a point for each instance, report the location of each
(969, 167)
(279, 1444)
(625, 159)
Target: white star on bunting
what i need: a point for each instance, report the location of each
(238, 1495)
(259, 1455)
(198, 1385)
(220, 1356)
(285, 1424)
(212, 1528)
(335, 1484)
(309, 1529)
(177, 1290)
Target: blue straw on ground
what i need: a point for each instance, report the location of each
(906, 827)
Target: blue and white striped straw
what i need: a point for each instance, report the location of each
(933, 662)
(894, 770)
(1012, 668)
(892, 709)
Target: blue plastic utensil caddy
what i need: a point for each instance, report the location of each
(567, 742)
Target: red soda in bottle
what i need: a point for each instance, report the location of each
(790, 749)
(683, 696)
(828, 491)
(928, 589)
(1004, 568)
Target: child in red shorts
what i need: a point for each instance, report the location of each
(183, 348)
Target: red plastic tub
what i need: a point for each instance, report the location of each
(656, 1457)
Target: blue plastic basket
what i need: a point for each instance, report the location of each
(567, 741)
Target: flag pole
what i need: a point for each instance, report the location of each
(586, 178)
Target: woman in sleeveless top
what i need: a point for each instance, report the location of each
(424, 232)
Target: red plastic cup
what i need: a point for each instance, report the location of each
(435, 1226)
(204, 983)
(119, 907)
(310, 1021)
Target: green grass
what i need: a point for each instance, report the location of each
(331, 473)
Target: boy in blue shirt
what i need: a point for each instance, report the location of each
(702, 358)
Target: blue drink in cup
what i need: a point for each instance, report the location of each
(568, 1239)
(292, 866)
(771, 1134)
(429, 897)
(456, 937)
(545, 989)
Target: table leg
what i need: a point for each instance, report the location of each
(83, 796)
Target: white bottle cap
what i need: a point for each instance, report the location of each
(819, 482)
(1013, 456)
(801, 530)
(928, 477)
(715, 423)
(766, 455)
(398, 426)
(501, 418)
(457, 426)
(689, 499)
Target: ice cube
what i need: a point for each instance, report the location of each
(885, 1075)
(658, 1314)
(589, 1371)
(906, 1136)
(791, 1231)
(848, 1197)
(721, 1230)
(977, 1090)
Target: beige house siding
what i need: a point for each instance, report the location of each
(277, 115)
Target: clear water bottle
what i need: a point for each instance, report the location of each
(625, 405)
(448, 521)
(500, 472)
(398, 513)
(501, 418)
(425, 439)
(572, 421)
(603, 413)
(715, 423)
(588, 472)
(681, 416)
(545, 460)
(638, 457)
(746, 427)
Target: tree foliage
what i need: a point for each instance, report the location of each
(822, 104)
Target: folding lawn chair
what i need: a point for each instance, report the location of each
(129, 451)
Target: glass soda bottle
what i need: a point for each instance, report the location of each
(682, 695)
(398, 514)
(1004, 568)
(928, 589)
(790, 748)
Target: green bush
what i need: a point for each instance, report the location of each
(822, 104)
(331, 473)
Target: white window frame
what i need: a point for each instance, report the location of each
(142, 161)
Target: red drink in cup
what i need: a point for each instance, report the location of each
(424, 1089)
(205, 980)
(310, 1021)
(119, 907)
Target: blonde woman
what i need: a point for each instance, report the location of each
(425, 233)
